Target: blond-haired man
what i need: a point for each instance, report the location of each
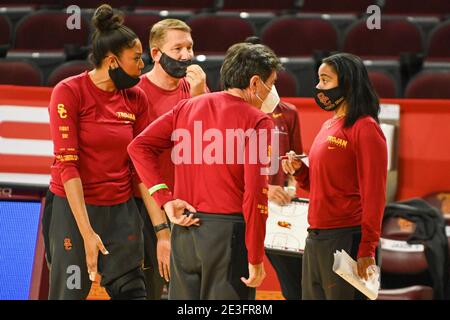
(172, 78)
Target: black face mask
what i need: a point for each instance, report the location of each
(121, 79)
(329, 99)
(174, 68)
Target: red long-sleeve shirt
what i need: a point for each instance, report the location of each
(91, 130)
(287, 131)
(161, 101)
(347, 179)
(222, 186)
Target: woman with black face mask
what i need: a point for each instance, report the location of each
(346, 178)
(93, 117)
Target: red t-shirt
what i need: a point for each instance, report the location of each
(225, 185)
(347, 179)
(287, 131)
(91, 130)
(161, 101)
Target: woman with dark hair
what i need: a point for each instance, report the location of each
(346, 178)
(93, 117)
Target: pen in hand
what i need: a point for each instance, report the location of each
(297, 156)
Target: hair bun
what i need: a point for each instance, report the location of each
(105, 20)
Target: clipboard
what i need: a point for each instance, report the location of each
(287, 228)
(345, 267)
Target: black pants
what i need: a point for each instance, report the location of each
(208, 261)
(46, 219)
(289, 273)
(154, 283)
(320, 282)
(119, 227)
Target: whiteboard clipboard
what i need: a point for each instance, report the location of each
(287, 228)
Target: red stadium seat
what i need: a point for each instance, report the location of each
(286, 84)
(33, 3)
(195, 5)
(215, 34)
(408, 293)
(66, 70)
(384, 85)
(396, 36)
(141, 25)
(414, 247)
(417, 7)
(342, 6)
(439, 43)
(429, 85)
(19, 73)
(406, 269)
(30, 36)
(96, 3)
(251, 5)
(290, 37)
(400, 262)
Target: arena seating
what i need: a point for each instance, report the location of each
(20, 73)
(429, 85)
(412, 39)
(384, 84)
(66, 70)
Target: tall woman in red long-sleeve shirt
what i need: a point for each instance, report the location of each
(93, 117)
(346, 178)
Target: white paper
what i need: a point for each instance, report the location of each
(346, 267)
(389, 131)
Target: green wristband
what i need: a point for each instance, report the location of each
(157, 187)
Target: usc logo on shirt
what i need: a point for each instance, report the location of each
(62, 111)
(67, 244)
(126, 116)
(336, 142)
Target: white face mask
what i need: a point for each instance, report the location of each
(272, 100)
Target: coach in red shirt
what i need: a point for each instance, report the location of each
(221, 152)
(172, 79)
(346, 178)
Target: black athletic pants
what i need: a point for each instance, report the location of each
(120, 228)
(208, 261)
(289, 273)
(319, 281)
(154, 283)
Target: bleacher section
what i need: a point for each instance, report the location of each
(412, 38)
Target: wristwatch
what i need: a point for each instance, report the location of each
(161, 226)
